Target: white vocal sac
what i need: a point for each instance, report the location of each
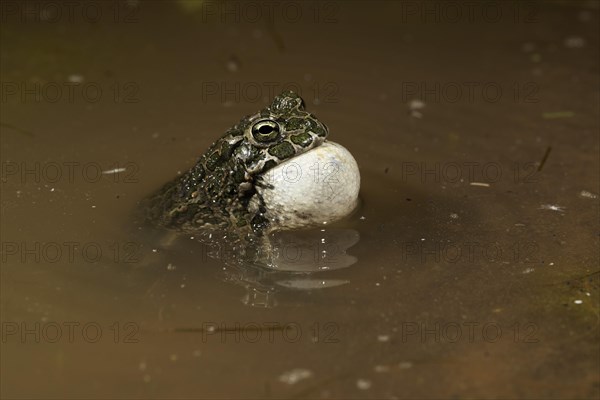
(317, 187)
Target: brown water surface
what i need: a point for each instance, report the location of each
(469, 271)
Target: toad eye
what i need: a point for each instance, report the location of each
(265, 131)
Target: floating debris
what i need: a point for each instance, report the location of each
(381, 368)
(528, 270)
(544, 158)
(363, 384)
(414, 106)
(578, 302)
(294, 376)
(114, 171)
(552, 207)
(482, 184)
(383, 338)
(588, 195)
(75, 78)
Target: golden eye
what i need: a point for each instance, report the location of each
(265, 130)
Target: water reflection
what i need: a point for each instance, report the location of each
(293, 260)
(281, 262)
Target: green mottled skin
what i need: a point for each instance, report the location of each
(216, 192)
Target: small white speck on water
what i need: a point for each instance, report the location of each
(363, 218)
(295, 375)
(75, 78)
(381, 368)
(528, 270)
(578, 302)
(588, 195)
(182, 285)
(482, 184)
(552, 207)
(377, 284)
(416, 104)
(422, 239)
(405, 365)
(191, 238)
(93, 206)
(454, 216)
(113, 171)
(587, 294)
(363, 384)
(551, 264)
(322, 240)
(383, 338)
(155, 250)
(52, 190)
(171, 267)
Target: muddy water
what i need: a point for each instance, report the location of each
(469, 270)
